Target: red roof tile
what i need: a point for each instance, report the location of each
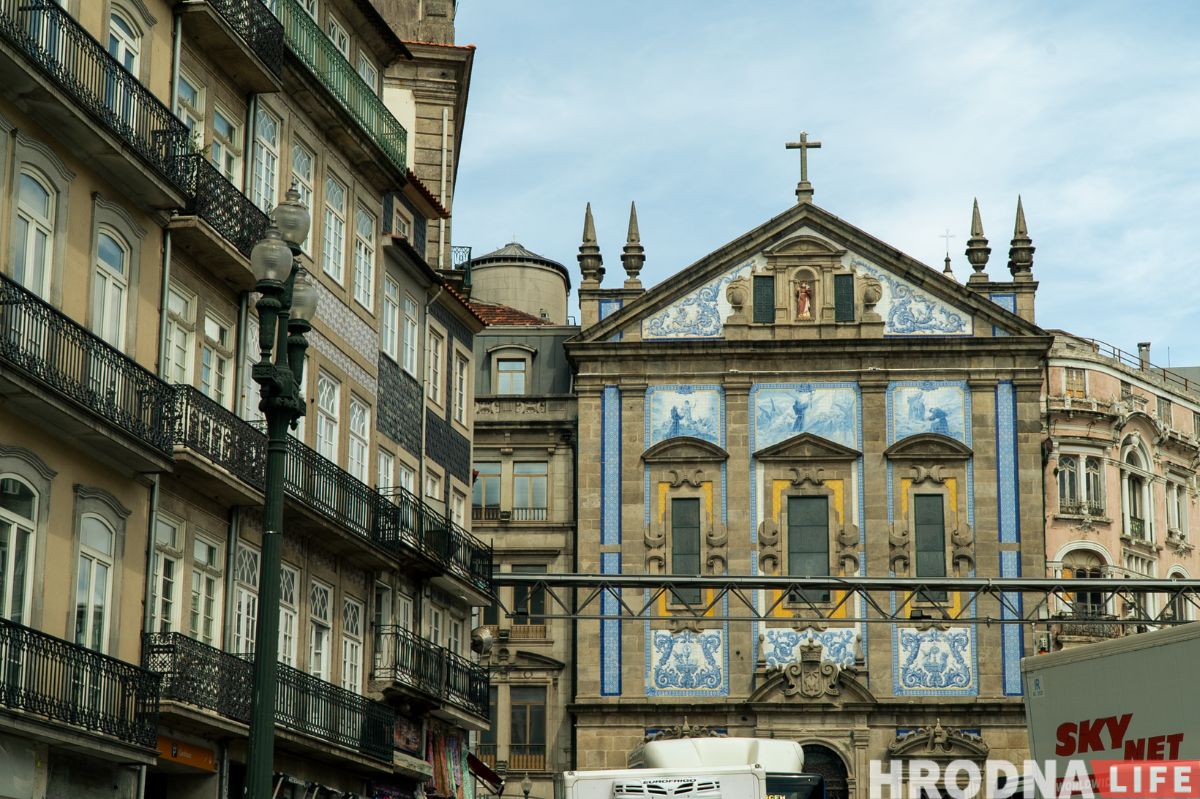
(494, 314)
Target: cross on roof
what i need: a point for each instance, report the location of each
(947, 236)
(804, 189)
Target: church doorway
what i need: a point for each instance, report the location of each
(820, 759)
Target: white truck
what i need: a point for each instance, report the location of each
(716, 782)
(1133, 698)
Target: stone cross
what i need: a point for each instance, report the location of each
(804, 190)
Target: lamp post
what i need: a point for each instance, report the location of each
(285, 310)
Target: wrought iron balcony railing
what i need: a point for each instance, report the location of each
(433, 670)
(306, 40)
(70, 684)
(39, 340)
(1081, 507)
(1089, 621)
(258, 28)
(222, 205)
(197, 674)
(80, 65)
(1137, 527)
(211, 430)
(409, 521)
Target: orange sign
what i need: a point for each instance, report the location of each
(177, 751)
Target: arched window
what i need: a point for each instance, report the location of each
(1094, 485)
(109, 286)
(1068, 484)
(124, 41)
(1082, 564)
(34, 233)
(93, 585)
(18, 514)
(1137, 499)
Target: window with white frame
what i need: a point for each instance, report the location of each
(1178, 607)
(1138, 566)
(410, 335)
(458, 508)
(460, 388)
(390, 323)
(34, 233)
(189, 107)
(454, 641)
(364, 258)
(245, 594)
(436, 623)
(18, 515)
(265, 175)
(333, 238)
(385, 469)
(207, 571)
(319, 601)
(289, 585)
(352, 637)
(304, 165)
(510, 375)
(404, 612)
(227, 147)
(124, 42)
(328, 402)
(1081, 484)
(368, 72)
(339, 37)
(180, 335)
(110, 285)
(360, 444)
(216, 359)
(310, 8)
(164, 584)
(1177, 508)
(437, 345)
(408, 478)
(433, 486)
(93, 592)
(381, 619)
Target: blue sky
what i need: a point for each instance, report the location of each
(1090, 111)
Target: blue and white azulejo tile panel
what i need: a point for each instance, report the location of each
(935, 662)
(687, 663)
(781, 645)
(695, 411)
(699, 314)
(911, 311)
(929, 408)
(829, 411)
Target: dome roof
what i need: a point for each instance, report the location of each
(515, 253)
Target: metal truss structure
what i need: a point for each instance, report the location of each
(870, 600)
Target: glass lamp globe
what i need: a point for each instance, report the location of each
(271, 258)
(293, 219)
(304, 297)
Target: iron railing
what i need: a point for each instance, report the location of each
(258, 27)
(206, 427)
(526, 757)
(198, 674)
(306, 40)
(58, 352)
(1137, 527)
(433, 670)
(460, 256)
(1091, 621)
(223, 206)
(71, 684)
(80, 65)
(1081, 507)
(409, 521)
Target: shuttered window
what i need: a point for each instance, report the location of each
(930, 522)
(764, 300)
(808, 543)
(843, 298)
(685, 545)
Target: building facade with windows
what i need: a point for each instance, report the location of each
(131, 450)
(1123, 438)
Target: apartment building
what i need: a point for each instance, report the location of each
(144, 145)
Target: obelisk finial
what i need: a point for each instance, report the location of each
(1020, 252)
(591, 262)
(633, 256)
(977, 247)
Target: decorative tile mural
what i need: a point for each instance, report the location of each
(911, 311)
(610, 630)
(687, 663)
(935, 662)
(781, 645)
(928, 408)
(699, 314)
(1012, 635)
(827, 411)
(684, 411)
(607, 309)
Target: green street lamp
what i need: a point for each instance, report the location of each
(285, 311)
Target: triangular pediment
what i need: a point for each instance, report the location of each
(685, 449)
(916, 299)
(928, 446)
(807, 447)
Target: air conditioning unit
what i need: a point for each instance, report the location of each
(506, 516)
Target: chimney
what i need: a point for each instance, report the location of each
(1144, 355)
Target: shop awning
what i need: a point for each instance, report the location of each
(481, 770)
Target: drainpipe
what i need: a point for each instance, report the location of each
(148, 604)
(176, 42)
(248, 143)
(425, 389)
(231, 538)
(141, 782)
(442, 194)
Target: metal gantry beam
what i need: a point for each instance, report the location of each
(871, 600)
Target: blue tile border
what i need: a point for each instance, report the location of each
(610, 534)
(610, 631)
(1009, 303)
(1012, 635)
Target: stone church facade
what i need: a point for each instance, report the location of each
(808, 400)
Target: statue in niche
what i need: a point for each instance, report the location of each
(804, 300)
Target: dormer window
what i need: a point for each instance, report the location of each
(510, 375)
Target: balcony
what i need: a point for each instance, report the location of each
(388, 141)
(411, 523)
(486, 752)
(1080, 507)
(1137, 528)
(414, 665)
(485, 513)
(530, 514)
(59, 369)
(523, 631)
(64, 78)
(203, 677)
(243, 37)
(526, 757)
(55, 681)
(220, 225)
(1090, 622)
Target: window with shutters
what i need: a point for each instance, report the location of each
(685, 546)
(808, 543)
(929, 521)
(764, 299)
(1076, 382)
(1164, 411)
(843, 298)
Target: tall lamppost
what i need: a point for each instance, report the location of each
(285, 310)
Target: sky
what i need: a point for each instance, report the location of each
(1089, 111)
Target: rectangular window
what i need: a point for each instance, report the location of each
(435, 624)
(289, 585)
(510, 376)
(181, 331)
(385, 469)
(304, 165)
(487, 738)
(1196, 424)
(458, 509)
(527, 735)
(460, 389)
(216, 357)
(404, 613)
(491, 614)
(190, 108)
(843, 298)
(485, 492)
(930, 538)
(319, 600)
(808, 543)
(454, 639)
(437, 345)
(328, 404)
(165, 584)
(368, 72)
(764, 299)
(1126, 390)
(360, 444)
(1164, 411)
(266, 160)
(408, 478)
(364, 259)
(226, 151)
(390, 323)
(685, 546)
(206, 591)
(529, 492)
(433, 486)
(1076, 382)
(352, 621)
(381, 619)
(529, 606)
(410, 335)
(245, 624)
